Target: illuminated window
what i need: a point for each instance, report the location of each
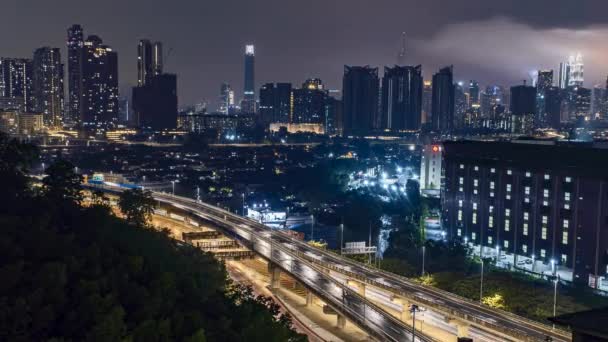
(476, 168)
(462, 166)
(491, 221)
(545, 203)
(547, 177)
(460, 189)
(545, 219)
(525, 229)
(474, 218)
(568, 179)
(527, 190)
(543, 253)
(491, 209)
(564, 238)
(507, 212)
(461, 180)
(492, 185)
(459, 215)
(566, 206)
(509, 172)
(473, 236)
(475, 182)
(506, 244)
(546, 193)
(566, 196)
(524, 248)
(564, 258)
(508, 196)
(492, 170)
(543, 233)
(489, 240)
(566, 224)
(526, 215)
(526, 200)
(474, 206)
(491, 194)
(460, 203)
(474, 191)
(458, 231)
(507, 225)
(528, 174)
(508, 187)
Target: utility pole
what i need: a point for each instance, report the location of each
(413, 309)
(342, 236)
(481, 283)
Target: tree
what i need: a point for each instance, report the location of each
(62, 184)
(15, 159)
(137, 205)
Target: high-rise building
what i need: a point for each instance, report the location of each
(402, 98)
(248, 103)
(16, 91)
(443, 101)
(149, 61)
(155, 103)
(598, 102)
(564, 75)
(473, 93)
(75, 45)
(460, 105)
(48, 88)
(427, 101)
(553, 106)
(226, 98)
(582, 102)
(523, 108)
(276, 103)
(576, 78)
(99, 84)
(309, 103)
(360, 100)
(544, 82)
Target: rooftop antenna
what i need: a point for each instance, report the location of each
(401, 56)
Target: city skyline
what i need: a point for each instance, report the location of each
(204, 57)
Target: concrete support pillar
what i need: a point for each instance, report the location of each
(275, 276)
(406, 315)
(463, 329)
(341, 321)
(309, 298)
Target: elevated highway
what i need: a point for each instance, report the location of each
(361, 293)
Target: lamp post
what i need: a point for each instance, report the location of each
(481, 283)
(243, 196)
(555, 282)
(341, 236)
(173, 186)
(423, 255)
(413, 309)
(312, 228)
(198, 194)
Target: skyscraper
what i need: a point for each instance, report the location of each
(402, 98)
(75, 45)
(544, 82)
(149, 61)
(576, 77)
(99, 84)
(460, 105)
(248, 104)
(360, 99)
(226, 98)
(276, 103)
(48, 85)
(427, 100)
(564, 75)
(473, 93)
(309, 102)
(553, 106)
(523, 108)
(443, 101)
(16, 84)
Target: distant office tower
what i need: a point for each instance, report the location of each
(226, 98)
(544, 82)
(333, 115)
(276, 103)
(309, 102)
(155, 103)
(460, 106)
(16, 84)
(99, 84)
(553, 106)
(598, 102)
(75, 45)
(576, 71)
(443, 101)
(427, 100)
(48, 85)
(360, 99)
(248, 104)
(523, 108)
(402, 98)
(582, 102)
(473, 93)
(430, 170)
(564, 75)
(149, 61)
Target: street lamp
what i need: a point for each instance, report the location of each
(553, 268)
(312, 227)
(198, 193)
(481, 283)
(173, 186)
(341, 237)
(413, 309)
(243, 196)
(423, 254)
(555, 282)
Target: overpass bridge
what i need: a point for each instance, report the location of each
(361, 293)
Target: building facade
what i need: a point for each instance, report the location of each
(16, 86)
(248, 103)
(149, 61)
(443, 101)
(48, 85)
(75, 44)
(155, 103)
(541, 207)
(360, 86)
(402, 98)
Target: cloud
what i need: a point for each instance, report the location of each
(506, 50)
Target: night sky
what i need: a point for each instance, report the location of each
(491, 41)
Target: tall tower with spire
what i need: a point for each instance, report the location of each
(401, 56)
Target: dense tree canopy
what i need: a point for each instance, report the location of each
(71, 273)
